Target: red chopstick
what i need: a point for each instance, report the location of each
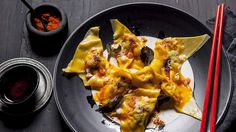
(217, 72)
(210, 71)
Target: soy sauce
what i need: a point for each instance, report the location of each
(17, 90)
(18, 83)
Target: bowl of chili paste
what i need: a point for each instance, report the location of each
(47, 28)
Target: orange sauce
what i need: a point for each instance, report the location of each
(52, 22)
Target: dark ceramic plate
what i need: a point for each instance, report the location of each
(72, 97)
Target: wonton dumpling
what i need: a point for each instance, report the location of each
(130, 46)
(90, 42)
(88, 60)
(117, 85)
(172, 53)
(120, 31)
(136, 108)
(177, 87)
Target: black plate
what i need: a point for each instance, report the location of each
(149, 18)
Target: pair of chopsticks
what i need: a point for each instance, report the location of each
(217, 42)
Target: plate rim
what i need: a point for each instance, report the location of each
(228, 101)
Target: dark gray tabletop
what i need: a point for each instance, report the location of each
(14, 43)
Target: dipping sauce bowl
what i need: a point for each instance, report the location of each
(25, 86)
(18, 84)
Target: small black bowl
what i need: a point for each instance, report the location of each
(18, 84)
(47, 43)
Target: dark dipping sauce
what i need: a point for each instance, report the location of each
(18, 84)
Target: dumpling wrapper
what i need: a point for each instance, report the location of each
(91, 40)
(90, 43)
(124, 38)
(182, 97)
(191, 108)
(192, 44)
(115, 88)
(135, 109)
(189, 46)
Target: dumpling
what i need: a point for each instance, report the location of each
(88, 60)
(126, 45)
(172, 53)
(117, 85)
(135, 109)
(90, 43)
